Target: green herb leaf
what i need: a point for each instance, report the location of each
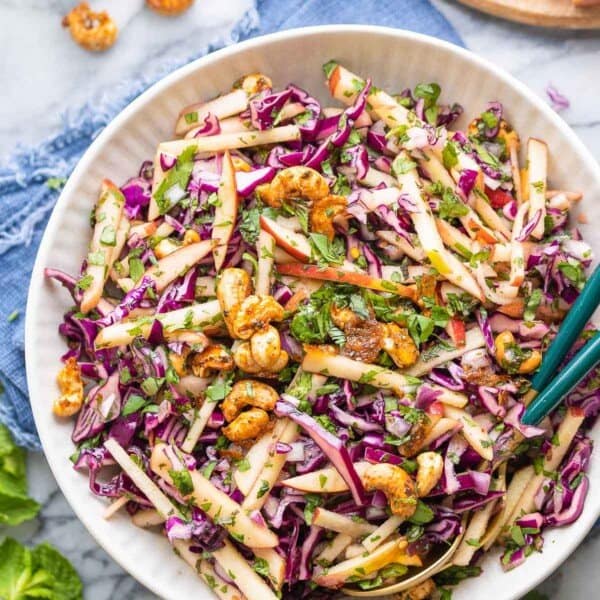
(15, 506)
(312, 502)
(177, 177)
(219, 389)
(151, 385)
(574, 273)
(263, 489)
(454, 575)
(329, 252)
(451, 206)
(39, 573)
(532, 304)
(329, 68)
(134, 403)
(108, 237)
(430, 92)
(250, 225)
(182, 480)
(261, 566)
(136, 269)
(402, 164)
(450, 155)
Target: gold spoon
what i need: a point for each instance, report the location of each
(438, 565)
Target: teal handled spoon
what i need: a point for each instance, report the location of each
(577, 317)
(580, 365)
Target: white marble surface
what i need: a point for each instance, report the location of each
(43, 74)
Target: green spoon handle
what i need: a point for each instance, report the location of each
(577, 317)
(583, 362)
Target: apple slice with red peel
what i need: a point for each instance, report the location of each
(359, 279)
(295, 244)
(225, 212)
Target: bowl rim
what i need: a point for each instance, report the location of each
(58, 469)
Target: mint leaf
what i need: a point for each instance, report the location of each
(15, 505)
(66, 584)
(326, 250)
(16, 508)
(39, 573)
(12, 459)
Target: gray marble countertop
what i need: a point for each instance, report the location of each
(43, 73)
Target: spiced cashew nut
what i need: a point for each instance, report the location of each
(247, 392)
(95, 31)
(253, 83)
(71, 388)
(244, 360)
(507, 357)
(233, 287)
(254, 314)
(169, 8)
(396, 484)
(430, 468)
(293, 183)
(247, 425)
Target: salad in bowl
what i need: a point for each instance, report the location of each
(302, 339)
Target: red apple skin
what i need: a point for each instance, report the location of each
(225, 212)
(284, 237)
(456, 330)
(358, 279)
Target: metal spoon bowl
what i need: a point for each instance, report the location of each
(435, 567)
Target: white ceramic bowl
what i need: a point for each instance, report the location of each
(394, 59)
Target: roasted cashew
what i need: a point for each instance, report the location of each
(323, 212)
(247, 392)
(508, 359)
(294, 183)
(431, 466)
(233, 287)
(169, 7)
(397, 486)
(245, 361)
(71, 387)
(253, 314)
(179, 361)
(399, 345)
(344, 317)
(253, 84)
(191, 236)
(95, 31)
(247, 425)
(265, 346)
(213, 358)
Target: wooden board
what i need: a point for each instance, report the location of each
(544, 13)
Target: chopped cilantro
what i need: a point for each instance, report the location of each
(182, 480)
(178, 176)
(532, 304)
(402, 164)
(450, 155)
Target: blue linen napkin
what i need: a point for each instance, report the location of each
(26, 198)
